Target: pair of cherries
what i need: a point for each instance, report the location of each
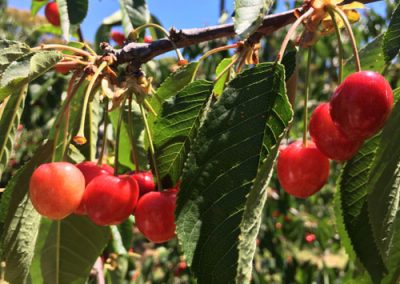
(358, 109)
(60, 189)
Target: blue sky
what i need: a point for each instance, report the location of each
(177, 13)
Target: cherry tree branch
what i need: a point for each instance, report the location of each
(139, 53)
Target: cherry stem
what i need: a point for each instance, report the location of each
(151, 146)
(58, 241)
(307, 94)
(211, 52)
(103, 146)
(340, 43)
(62, 47)
(92, 153)
(3, 271)
(131, 136)
(149, 108)
(118, 138)
(65, 137)
(290, 33)
(87, 46)
(81, 131)
(227, 68)
(155, 26)
(352, 37)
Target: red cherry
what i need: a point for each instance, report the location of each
(148, 39)
(302, 170)
(361, 104)
(332, 142)
(182, 266)
(90, 170)
(52, 14)
(56, 189)
(155, 216)
(64, 67)
(310, 238)
(145, 181)
(118, 37)
(109, 199)
(108, 168)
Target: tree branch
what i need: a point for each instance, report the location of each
(139, 53)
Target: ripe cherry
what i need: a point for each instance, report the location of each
(330, 140)
(310, 238)
(90, 170)
(302, 170)
(56, 189)
(118, 37)
(52, 14)
(361, 104)
(145, 181)
(65, 66)
(148, 39)
(109, 199)
(155, 216)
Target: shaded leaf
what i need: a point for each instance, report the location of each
(26, 69)
(352, 199)
(176, 128)
(371, 56)
(391, 43)
(384, 195)
(249, 15)
(77, 10)
(81, 242)
(9, 121)
(11, 51)
(237, 134)
(20, 221)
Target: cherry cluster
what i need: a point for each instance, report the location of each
(357, 110)
(59, 189)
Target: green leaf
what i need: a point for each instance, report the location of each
(137, 11)
(26, 69)
(35, 270)
(125, 150)
(249, 15)
(36, 6)
(20, 221)
(384, 195)
(64, 18)
(11, 51)
(391, 43)
(220, 84)
(352, 196)
(81, 242)
(172, 85)
(176, 128)
(77, 11)
(371, 56)
(240, 130)
(9, 121)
